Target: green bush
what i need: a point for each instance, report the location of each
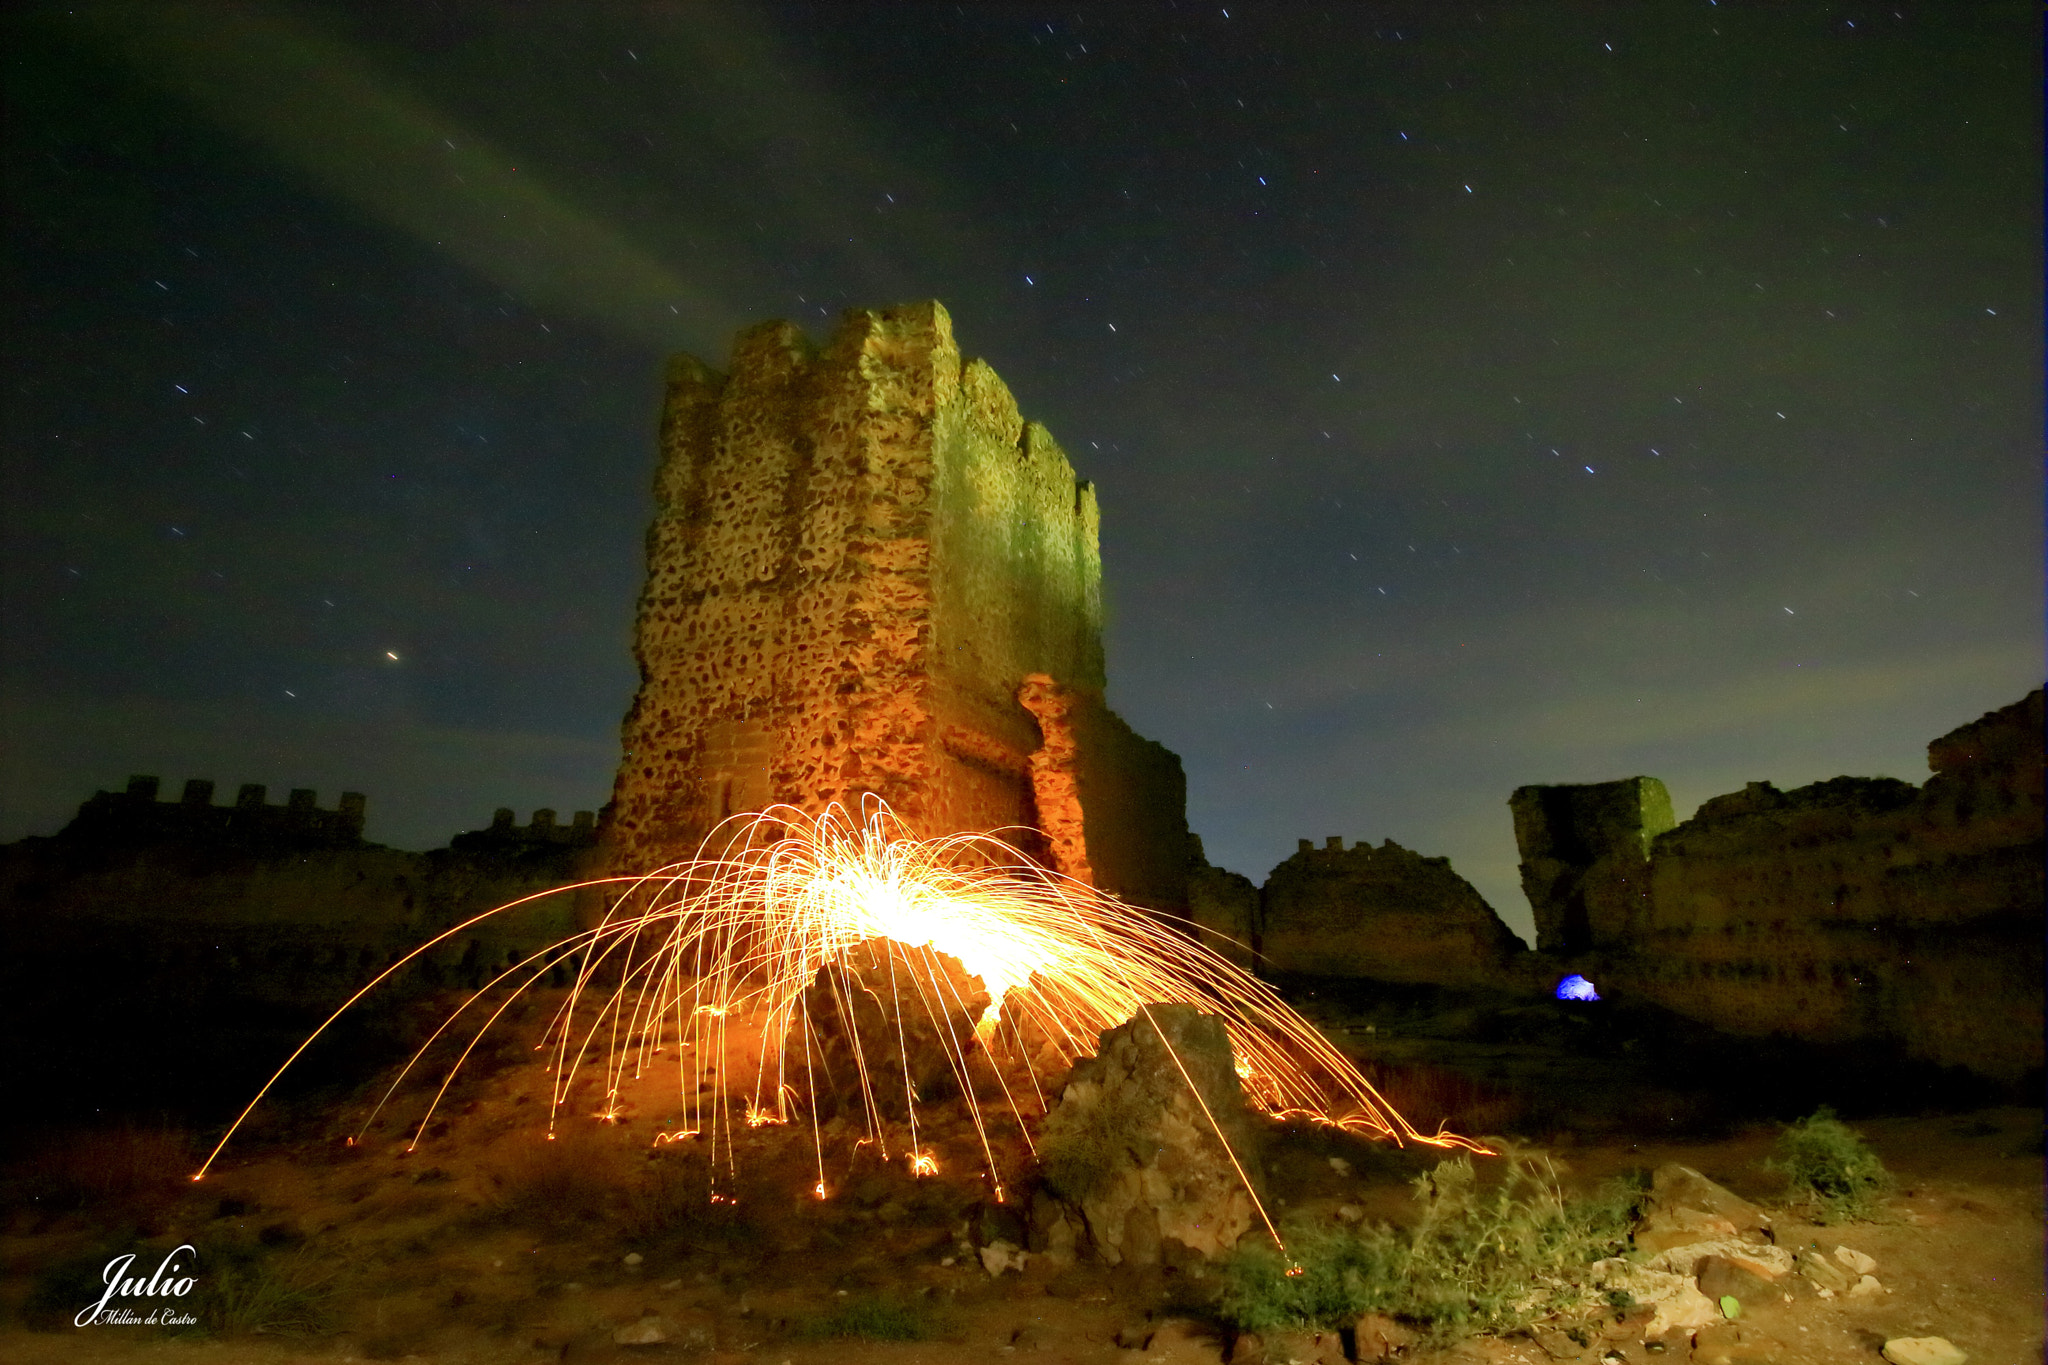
(1831, 1168)
(1495, 1260)
(1479, 1259)
(1341, 1275)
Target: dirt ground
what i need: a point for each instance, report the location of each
(491, 1243)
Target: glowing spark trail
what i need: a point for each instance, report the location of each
(752, 966)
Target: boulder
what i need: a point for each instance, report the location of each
(1662, 1231)
(885, 1011)
(1675, 1188)
(1923, 1351)
(1721, 1278)
(1135, 1157)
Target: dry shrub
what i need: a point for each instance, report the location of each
(574, 1178)
(248, 1288)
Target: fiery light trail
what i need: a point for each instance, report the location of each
(731, 959)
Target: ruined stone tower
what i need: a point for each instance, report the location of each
(868, 574)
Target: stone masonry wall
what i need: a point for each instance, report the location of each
(201, 947)
(1857, 909)
(859, 556)
(1864, 908)
(1586, 858)
(1384, 913)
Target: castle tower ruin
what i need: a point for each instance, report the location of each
(868, 574)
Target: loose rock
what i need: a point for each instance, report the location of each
(1823, 1273)
(1134, 1154)
(1765, 1262)
(1675, 1187)
(1721, 1278)
(1675, 1301)
(1379, 1338)
(1664, 1230)
(652, 1330)
(1923, 1351)
(999, 1256)
(1856, 1261)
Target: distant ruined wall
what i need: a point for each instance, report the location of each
(197, 942)
(1858, 908)
(137, 814)
(270, 902)
(867, 574)
(1586, 858)
(1384, 913)
(1223, 907)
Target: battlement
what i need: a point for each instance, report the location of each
(580, 832)
(136, 814)
(1361, 852)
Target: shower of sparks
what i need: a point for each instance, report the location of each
(719, 966)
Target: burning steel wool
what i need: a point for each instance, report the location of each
(821, 967)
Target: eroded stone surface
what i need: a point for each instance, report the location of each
(1851, 909)
(859, 555)
(1151, 1141)
(886, 1024)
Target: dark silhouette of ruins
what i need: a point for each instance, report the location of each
(137, 815)
(1854, 908)
(869, 575)
(1856, 911)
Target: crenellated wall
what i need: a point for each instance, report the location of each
(136, 813)
(580, 832)
(867, 574)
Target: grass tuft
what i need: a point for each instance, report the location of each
(869, 1318)
(247, 1290)
(558, 1185)
(1830, 1167)
(1083, 1146)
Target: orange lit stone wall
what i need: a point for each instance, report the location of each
(859, 555)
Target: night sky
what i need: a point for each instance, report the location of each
(1523, 394)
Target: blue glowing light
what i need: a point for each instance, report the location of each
(1576, 987)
